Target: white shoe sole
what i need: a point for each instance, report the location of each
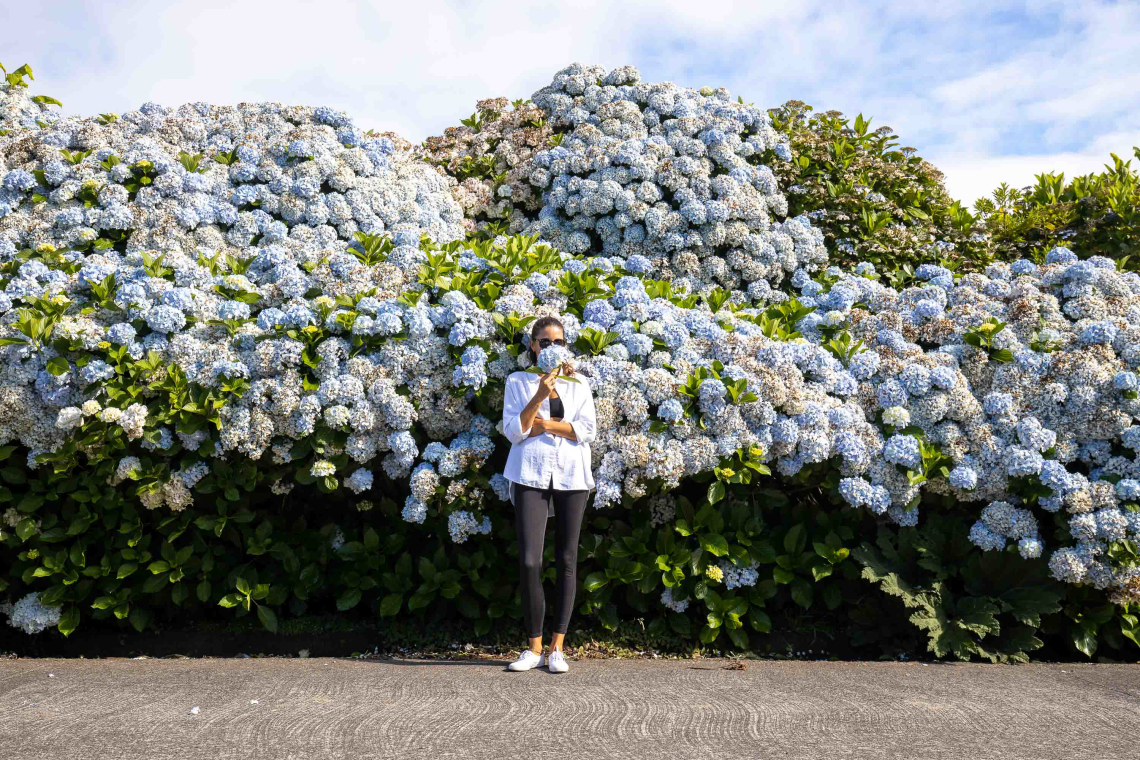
(540, 663)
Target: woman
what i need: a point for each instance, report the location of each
(550, 423)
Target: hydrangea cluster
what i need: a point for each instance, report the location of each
(19, 109)
(668, 180)
(232, 180)
(29, 615)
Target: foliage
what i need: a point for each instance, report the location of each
(1096, 214)
(273, 406)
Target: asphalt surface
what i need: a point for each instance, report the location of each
(363, 709)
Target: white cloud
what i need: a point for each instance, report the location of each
(987, 90)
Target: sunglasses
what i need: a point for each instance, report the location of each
(547, 342)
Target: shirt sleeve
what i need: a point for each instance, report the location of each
(513, 403)
(585, 424)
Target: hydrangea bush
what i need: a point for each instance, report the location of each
(211, 310)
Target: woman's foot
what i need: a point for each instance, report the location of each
(527, 660)
(556, 663)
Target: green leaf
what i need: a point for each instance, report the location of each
(390, 605)
(760, 621)
(267, 617)
(1004, 356)
(1084, 638)
(716, 491)
(802, 593)
(349, 599)
(139, 618)
(25, 528)
(596, 580)
(819, 572)
(608, 617)
(832, 596)
(680, 624)
(231, 600)
(794, 539)
(68, 620)
(57, 365)
(420, 599)
(714, 543)
(739, 637)
(823, 549)
(1027, 604)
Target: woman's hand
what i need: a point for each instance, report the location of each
(538, 427)
(546, 383)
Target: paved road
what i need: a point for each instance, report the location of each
(408, 709)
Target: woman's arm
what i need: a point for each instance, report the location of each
(558, 427)
(583, 427)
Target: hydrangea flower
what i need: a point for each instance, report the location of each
(31, 616)
(552, 357)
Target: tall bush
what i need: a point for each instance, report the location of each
(214, 316)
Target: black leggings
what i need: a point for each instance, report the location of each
(531, 505)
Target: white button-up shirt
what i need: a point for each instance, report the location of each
(547, 459)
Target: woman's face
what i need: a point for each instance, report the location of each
(550, 332)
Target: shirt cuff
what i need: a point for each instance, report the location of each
(581, 432)
(513, 430)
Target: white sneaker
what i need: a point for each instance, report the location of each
(528, 660)
(557, 663)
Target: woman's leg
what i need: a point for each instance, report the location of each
(569, 510)
(530, 525)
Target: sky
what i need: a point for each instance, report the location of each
(989, 92)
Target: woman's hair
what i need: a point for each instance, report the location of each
(535, 328)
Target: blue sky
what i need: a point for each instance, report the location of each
(987, 91)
